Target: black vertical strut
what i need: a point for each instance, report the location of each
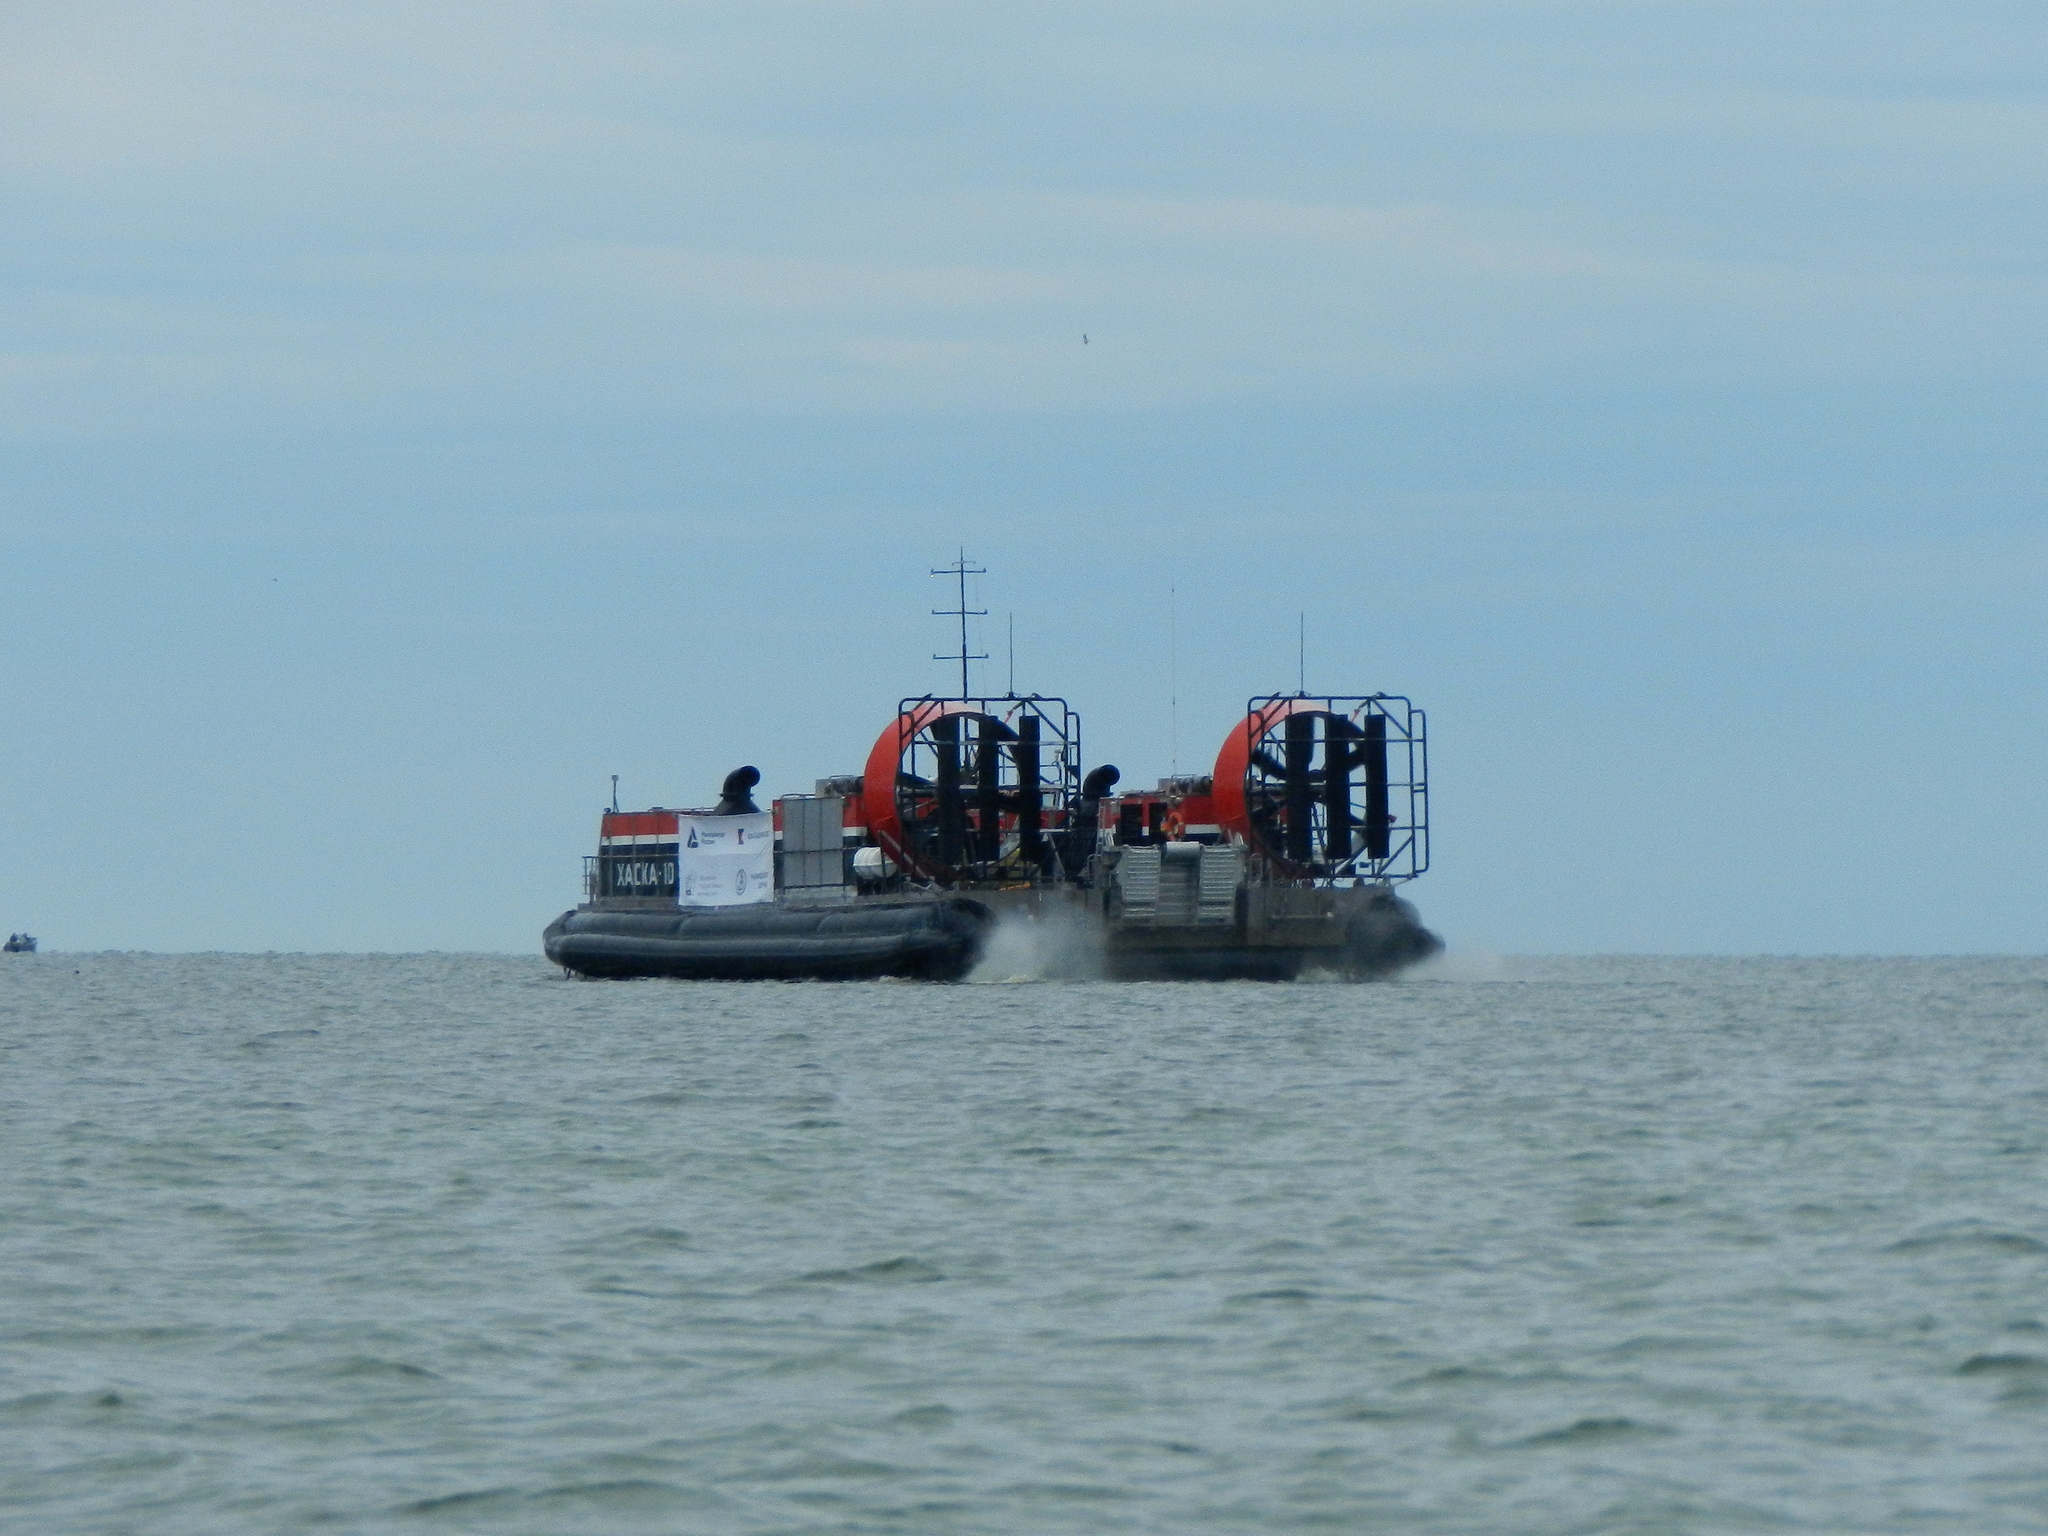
(946, 789)
(1030, 793)
(1340, 756)
(988, 790)
(1378, 834)
(1297, 792)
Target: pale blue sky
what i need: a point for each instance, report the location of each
(410, 418)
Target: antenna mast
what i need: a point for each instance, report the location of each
(961, 570)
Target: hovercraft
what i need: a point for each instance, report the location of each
(973, 811)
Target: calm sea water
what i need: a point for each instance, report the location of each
(450, 1243)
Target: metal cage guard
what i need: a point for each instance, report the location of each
(1330, 787)
(976, 789)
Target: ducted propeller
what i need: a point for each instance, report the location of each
(1307, 783)
(968, 789)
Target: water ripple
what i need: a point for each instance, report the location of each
(315, 1243)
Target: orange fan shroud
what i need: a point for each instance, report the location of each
(878, 784)
(1234, 763)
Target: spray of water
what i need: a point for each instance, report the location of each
(1458, 965)
(1062, 944)
(1050, 946)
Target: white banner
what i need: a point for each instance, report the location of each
(725, 861)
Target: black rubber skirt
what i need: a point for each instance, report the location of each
(929, 940)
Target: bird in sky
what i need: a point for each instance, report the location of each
(1084, 338)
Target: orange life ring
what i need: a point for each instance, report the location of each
(1174, 826)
